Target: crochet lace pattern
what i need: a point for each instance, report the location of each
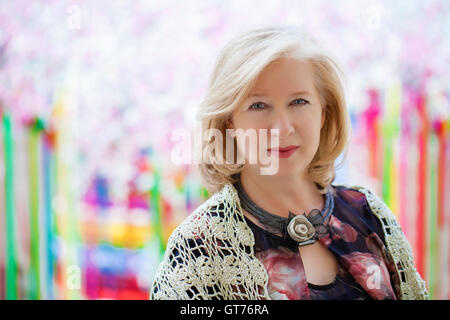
(210, 254)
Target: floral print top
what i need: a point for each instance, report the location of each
(355, 237)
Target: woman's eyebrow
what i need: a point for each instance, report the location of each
(292, 94)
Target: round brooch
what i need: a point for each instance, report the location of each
(300, 229)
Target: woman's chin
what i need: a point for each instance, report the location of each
(282, 171)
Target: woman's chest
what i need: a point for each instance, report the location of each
(308, 272)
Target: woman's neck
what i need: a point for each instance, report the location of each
(279, 195)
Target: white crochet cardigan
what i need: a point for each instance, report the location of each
(210, 254)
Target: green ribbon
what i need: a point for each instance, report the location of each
(155, 200)
(11, 258)
(33, 162)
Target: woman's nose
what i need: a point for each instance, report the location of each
(283, 122)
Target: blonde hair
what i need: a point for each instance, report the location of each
(234, 75)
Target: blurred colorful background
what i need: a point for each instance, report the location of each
(91, 93)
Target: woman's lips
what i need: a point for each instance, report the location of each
(283, 152)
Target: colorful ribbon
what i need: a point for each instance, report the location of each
(11, 249)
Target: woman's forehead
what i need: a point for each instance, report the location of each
(289, 76)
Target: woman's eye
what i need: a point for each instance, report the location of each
(257, 106)
(302, 101)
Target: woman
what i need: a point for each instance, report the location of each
(289, 234)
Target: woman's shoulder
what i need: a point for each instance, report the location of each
(364, 195)
(218, 212)
(351, 191)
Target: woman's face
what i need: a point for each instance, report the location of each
(283, 98)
